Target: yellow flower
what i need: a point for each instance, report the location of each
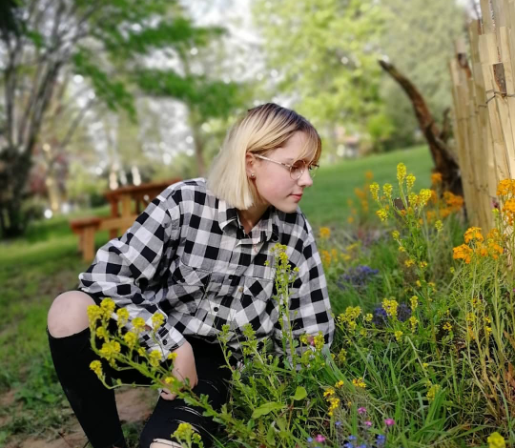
(401, 172)
(342, 356)
(358, 382)
(325, 232)
(436, 178)
(390, 306)
(452, 270)
(369, 175)
(424, 196)
(334, 402)
(473, 234)
(495, 440)
(123, 316)
(395, 235)
(462, 252)
(410, 181)
(138, 323)
(130, 339)
(94, 313)
(414, 303)
(172, 356)
(398, 335)
(408, 263)
(431, 394)
(439, 225)
(369, 317)
(488, 330)
(101, 333)
(413, 321)
(374, 190)
(109, 350)
(425, 365)
(154, 358)
(142, 352)
(107, 306)
(319, 341)
(329, 392)
(157, 321)
(96, 366)
(382, 214)
(387, 190)
(447, 326)
(339, 384)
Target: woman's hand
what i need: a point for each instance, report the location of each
(183, 367)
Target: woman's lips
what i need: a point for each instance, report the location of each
(297, 197)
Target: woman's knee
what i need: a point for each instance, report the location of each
(68, 314)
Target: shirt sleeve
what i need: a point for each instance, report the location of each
(310, 308)
(124, 267)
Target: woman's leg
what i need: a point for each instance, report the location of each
(213, 382)
(69, 339)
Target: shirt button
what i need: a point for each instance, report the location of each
(165, 341)
(215, 309)
(240, 289)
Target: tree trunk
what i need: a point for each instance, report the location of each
(444, 162)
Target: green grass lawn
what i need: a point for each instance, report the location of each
(46, 262)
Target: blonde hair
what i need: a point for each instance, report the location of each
(264, 128)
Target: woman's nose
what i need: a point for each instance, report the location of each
(305, 180)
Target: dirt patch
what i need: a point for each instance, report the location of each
(134, 405)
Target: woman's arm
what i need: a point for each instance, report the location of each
(124, 267)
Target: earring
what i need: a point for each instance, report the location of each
(252, 176)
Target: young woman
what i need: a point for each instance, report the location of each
(197, 256)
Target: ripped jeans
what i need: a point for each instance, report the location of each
(95, 406)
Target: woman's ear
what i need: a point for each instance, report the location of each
(250, 165)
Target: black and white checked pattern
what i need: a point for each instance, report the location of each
(188, 257)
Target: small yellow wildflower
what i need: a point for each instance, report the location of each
(374, 191)
(107, 306)
(334, 403)
(402, 249)
(398, 335)
(414, 303)
(495, 440)
(488, 330)
(172, 356)
(401, 172)
(339, 384)
(342, 356)
(425, 365)
(447, 326)
(101, 333)
(439, 225)
(396, 235)
(130, 339)
(96, 366)
(408, 263)
(319, 341)
(138, 323)
(413, 321)
(329, 392)
(109, 350)
(387, 190)
(123, 316)
(154, 358)
(390, 306)
(325, 232)
(369, 317)
(141, 351)
(431, 394)
(423, 264)
(382, 214)
(157, 321)
(418, 283)
(410, 181)
(452, 270)
(424, 196)
(358, 382)
(94, 313)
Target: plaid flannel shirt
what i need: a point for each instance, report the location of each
(187, 257)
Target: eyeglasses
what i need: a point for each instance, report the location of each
(296, 169)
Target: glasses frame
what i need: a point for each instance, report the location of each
(290, 167)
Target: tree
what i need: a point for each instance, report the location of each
(107, 42)
(324, 55)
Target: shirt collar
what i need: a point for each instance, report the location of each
(267, 228)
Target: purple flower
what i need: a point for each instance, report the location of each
(362, 411)
(368, 423)
(356, 277)
(389, 422)
(380, 440)
(310, 439)
(348, 445)
(320, 438)
(352, 438)
(338, 423)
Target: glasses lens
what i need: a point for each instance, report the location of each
(313, 170)
(297, 169)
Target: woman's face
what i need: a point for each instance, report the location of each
(273, 181)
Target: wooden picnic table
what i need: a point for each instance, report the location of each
(126, 204)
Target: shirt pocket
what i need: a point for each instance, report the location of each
(258, 307)
(187, 287)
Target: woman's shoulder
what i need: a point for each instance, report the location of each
(187, 190)
(295, 224)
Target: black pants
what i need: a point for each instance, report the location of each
(95, 406)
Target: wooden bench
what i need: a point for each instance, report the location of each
(122, 214)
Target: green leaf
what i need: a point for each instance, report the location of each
(267, 408)
(300, 394)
